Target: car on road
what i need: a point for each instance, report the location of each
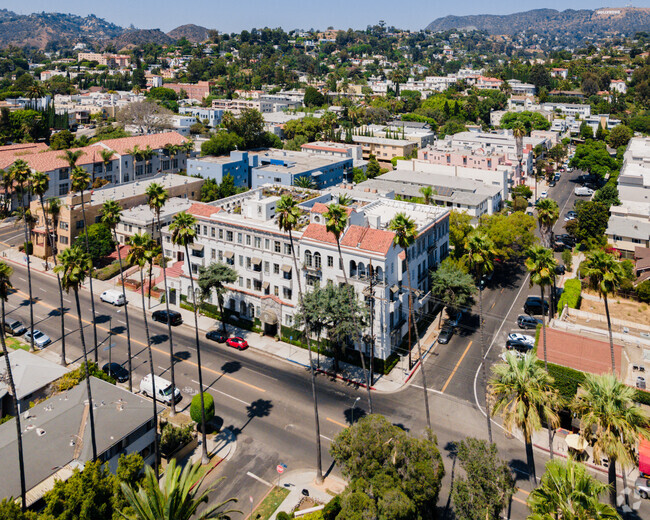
(552, 183)
(519, 346)
(454, 319)
(15, 328)
(528, 322)
(543, 195)
(237, 342)
(515, 336)
(583, 191)
(163, 389)
(557, 177)
(116, 371)
(566, 239)
(40, 338)
(571, 215)
(113, 297)
(446, 333)
(216, 335)
(174, 317)
(560, 269)
(642, 487)
(533, 305)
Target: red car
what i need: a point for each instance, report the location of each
(237, 342)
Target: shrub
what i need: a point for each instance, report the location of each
(565, 380)
(74, 377)
(195, 408)
(571, 295)
(173, 437)
(110, 270)
(643, 291)
(283, 516)
(567, 258)
(332, 508)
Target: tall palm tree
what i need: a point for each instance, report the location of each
(136, 153)
(5, 288)
(140, 253)
(183, 229)
(569, 492)
(72, 157)
(156, 198)
(605, 275)
(213, 279)
(288, 214)
(405, 234)
(147, 154)
(523, 396)
(40, 183)
(479, 257)
(7, 182)
(547, 214)
(80, 180)
(107, 157)
(74, 266)
(111, 214)
(611, 422)
(21, 173)
(179, 497)
(171, 150)
(518, 132)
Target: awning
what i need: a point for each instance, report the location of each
(197, 247)
(266, 285)
(228, 254)
(286, 268)
(394, 289)
(269, 317)
(576, 442)
(644, 456)
(256, 261)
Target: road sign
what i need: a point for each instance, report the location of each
(280, 468)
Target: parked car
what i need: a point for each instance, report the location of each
(519, 346)
(445, 335)
(528, 322)
(560, 269)
(237, 342)
(583, 191)
(15, 328)
(566, 239)
(552, 184)
(216, 335)
(40, 338)
(454, 319)
(533, 305)
(163, 389)
(571, 215)
(174, 317)
(516, 353)
(543, 195)
(113, 297)
(642, 487)
(515, 336)
(116, 371)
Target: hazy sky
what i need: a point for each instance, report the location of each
(235, 15)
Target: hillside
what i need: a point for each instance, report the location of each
(193, 33)
(570, 23)
(140, 36)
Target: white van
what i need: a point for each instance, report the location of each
(163, 389)
(583, 191)
(114, 297)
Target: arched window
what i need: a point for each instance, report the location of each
(251, 310)
(231, 304)
(242, 308)
(308, 258)
(353, 268)
(189, 293)
(317, 262)
(362, 270)
(379, 274)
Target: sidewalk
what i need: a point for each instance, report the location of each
(396, 379)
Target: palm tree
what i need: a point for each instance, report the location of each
(427, 193)
(5, 289)
(518, 132)
(140, 253)
(72, 157)
(40, 183)
(21, 173)
(569, 492)
(547, 214)
(136, 153)
(7, 185)
(345, 200)
(605, 275)
(523, 395)
(111, 214)
(479, 257)
(178, 498)
(405, 234)
(75, 265)
(183, 229)
(147, 154)
(80, 180)
(171, 150)
(213, 278)
(288, 214)
(305, 182)
(156, 198)
(611, 422)
(107, 157)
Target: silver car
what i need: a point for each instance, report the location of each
(40, 338)
(642, 487)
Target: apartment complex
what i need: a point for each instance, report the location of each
(385, 149)
(238, 165)
(242, 231)
(112, 61)
(198, 90)
(70, 222)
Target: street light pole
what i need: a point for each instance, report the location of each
(353, 405)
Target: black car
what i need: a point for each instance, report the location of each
(445, 335)
(116, 371)
(560, 269)
(528, 322)
(552, 183)
(518, 345)
(566, 239)
(174, 317)
(533, 305)
(216, 335)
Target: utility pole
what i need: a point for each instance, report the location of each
(371, 295)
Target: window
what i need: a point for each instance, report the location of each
(64, 174)
(258, 242)
(267, 243)
(240, 238)
(139, 170)
(205, 230)
(288, 320)
(221, 234)
(241, 282)
(266, 267)
(80, 224)
(248, 262)
(63, 225)
(174, 163)
(241, 261)
(317, 263)
(220, 256)
(276, 268)
(286, 293)
(248, 283)
(63, 239)
(312, 280)
(165, 164)
(277, 246)
(330, 261)
(229, 236)
(276, 290)
(213, 254)
(63, 189)
(212, 232)
(248, 240)
(257, 285)
(287, 249)
(308, 258)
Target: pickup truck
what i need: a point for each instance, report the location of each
(583, 191)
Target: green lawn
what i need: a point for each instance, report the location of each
(270, 503)
(15, 344)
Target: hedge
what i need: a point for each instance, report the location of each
(195, 407)
(571, 296)
(212, 311)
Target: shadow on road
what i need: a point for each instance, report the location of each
(353, 414)
(452, 452)
(158, 339)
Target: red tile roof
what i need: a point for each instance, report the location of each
(155, 141)
(321, 208)
(318, 232)
(52, 159)
(200, 209)
(580, 352)
(368, 239)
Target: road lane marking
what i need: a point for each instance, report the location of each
(133, 340)
(231, 396)
(251, 475)
(524, 492)
(259, 373)
(66, 300)
(21, 278)
(453, 372)
(520, 501)
(122, 322)
(493, 304)
(429, 389)
(326, 438)
(336, 422)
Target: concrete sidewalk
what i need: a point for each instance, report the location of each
(396, 379)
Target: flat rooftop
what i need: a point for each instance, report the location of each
(383, 211)
(144, 214)
(381, 140)
(296, 162)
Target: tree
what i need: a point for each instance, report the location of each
(620, 136)
(452, 286)
(610, 422)
(313, 98)
(183, 229)
(459, 228)
(222, 143)
(140, 253)
(147, 116)
(488, 485)
(179, 497)
(111, 216)
(569, 492)
(522, 190)
(6, 288)
(547, 214)
(406, 232)
(62, 140)
(157, 196)
(605, 274)
(372, 168)
(100, 241)
(539, 76)
(427, 192)
(511, 234)
(213, 279)
(607, 195)
(306, 181)
(529, 120)
(523, 395)
(74, 266)
(592, 222)
(586, 132)
(593, 157)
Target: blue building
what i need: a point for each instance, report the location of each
(238, 165)
(286, 167)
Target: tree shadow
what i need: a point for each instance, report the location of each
(452, 452)
(230, 367)
(354, 414)
(258, 409)
(120, 329)
(102, 318)
(183, 355)
(57, 312)
(402, 427)
(520, 469)
(158, 339)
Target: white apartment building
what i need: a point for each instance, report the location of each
(242, 231)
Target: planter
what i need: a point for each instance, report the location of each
(182, 452)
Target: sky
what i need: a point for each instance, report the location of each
(235, 15)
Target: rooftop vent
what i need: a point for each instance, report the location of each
(40, 432)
